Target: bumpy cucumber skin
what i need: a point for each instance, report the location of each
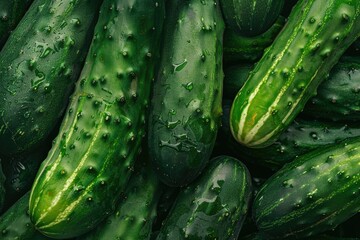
(15, 223)
(290, 71)
(39, 65)
(339, 98)
(136, 212)
(186, 101)
(214, 206)
(11, 12)
(238, 48)
(92, 159)
(2, 188)
(250, 18)
(312, 194)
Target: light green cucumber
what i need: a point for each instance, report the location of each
(315, 36)
(80, 181)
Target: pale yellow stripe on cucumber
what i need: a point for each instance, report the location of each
(253, 132)
(63, 216)
(342, 163)
(71, 179)
(55, 164)
(254, 93)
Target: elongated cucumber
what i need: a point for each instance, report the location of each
(89, 165)
(39, 66)
(186, 101)
(290, 71)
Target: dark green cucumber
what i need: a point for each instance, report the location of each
(214, 206)
(15, 223)
(136, 211)
(186, 101)
(339, 98)
(11, 12)
(238, 48)
(2, 188)
(302, 136)
(92, 158)
(39, 65)
(250, 18)
(290, 71)
(20, 172)
(312, 194)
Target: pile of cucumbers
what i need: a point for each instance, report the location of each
(191, 119)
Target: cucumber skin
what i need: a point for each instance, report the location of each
(292, 68)
(15, 222)
(249, 49)
(339, 98)
(11, 13)
(207, 208)
(250, 18)
(289, 205)
(39, 65)
(79, 183)
(136, 211)
(186, 110)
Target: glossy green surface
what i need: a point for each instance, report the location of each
(39, 65)
(313, 194)
(100, 137)
(214, 206)
(291, 69)
(186, 101)
(250, 17)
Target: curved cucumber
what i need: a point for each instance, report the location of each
(15, 222)
(136, 212)
(39, 65)
(214, 206)
(238, 48)
(290, 71)
(92, 158)
(251, 18)
(312, 194)
(186, 102)
(11, 12)
(339, 98)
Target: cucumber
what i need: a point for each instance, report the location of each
(15, 222)
(302, 136)
(290, 71)
(39, 65)
(186, 100)
(2, 188)
(312, 194)
(11, 12)
(214, 206)
(339, 98)
(92, 158)
(251, 18)
(238, 48)
(136, 211)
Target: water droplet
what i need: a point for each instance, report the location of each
(180, 66)
(189, 86)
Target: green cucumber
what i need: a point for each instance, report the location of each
(92, 158)
(15, 223)
(39, 65)
(214, 206)
(136, 211)
(302, 136)
(250, 18)
(186, 101)
(290, 71)
(339, 98)
(11, 12)
(238, 48)
(2, 187)
(312, 194)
